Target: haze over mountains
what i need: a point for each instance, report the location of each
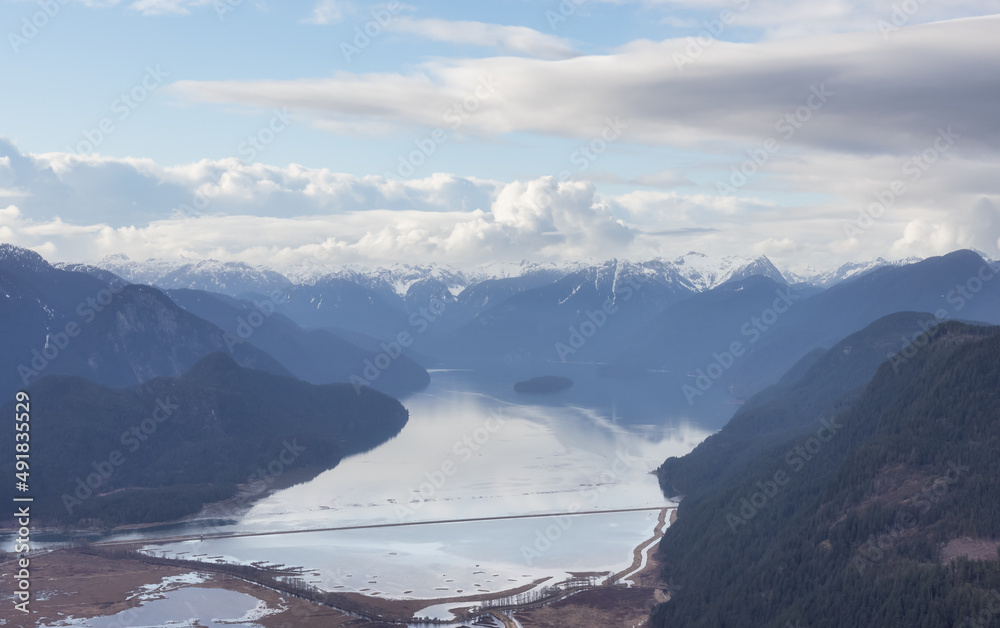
(672, 316)
(697, 270)
(235, 354)
(451, 314)
(683, 317)
(686, 331)
(161, 450)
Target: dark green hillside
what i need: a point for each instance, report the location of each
(817, 385)
(844, 527)
(163, 449)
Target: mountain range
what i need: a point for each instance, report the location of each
(697, 270)
(734, 330)
(682, 317)
(92, 324)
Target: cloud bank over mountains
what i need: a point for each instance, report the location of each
(77, 209)
(811, 150)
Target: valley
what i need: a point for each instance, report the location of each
(274, 472)
(558, 314)
(410, 528)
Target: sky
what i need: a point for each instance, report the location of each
(466, 133)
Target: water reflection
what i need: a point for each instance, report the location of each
(473, 449)
(181, 608)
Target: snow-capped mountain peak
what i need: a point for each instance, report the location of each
(694, 271)
(705, 273)
(232, 278)
(847, 271)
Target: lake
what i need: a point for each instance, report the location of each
(474, 449)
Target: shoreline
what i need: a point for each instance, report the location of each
(391, 610)
(640, 555)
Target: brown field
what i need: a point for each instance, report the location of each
(974, 549)
(83, 586)
(599, 608)
(90, 586)
(409, 607)
(86, 588)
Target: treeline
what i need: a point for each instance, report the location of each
(846, 529)
(144, 505)
(823, 383)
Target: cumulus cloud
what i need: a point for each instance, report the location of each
(572, 225)
(975, 227)
(134, 191)
(73, 208)
(81, 208)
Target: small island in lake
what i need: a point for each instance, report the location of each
(543, 385)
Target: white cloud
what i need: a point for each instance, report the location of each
(161, 7)
(671, 210)
(514, 39)
(775, 18)
(168, 7)
(572, 223)
(886, 96)
(797, 18)
(326, 12)
(88, 206)
(974, 227)
(80, 209)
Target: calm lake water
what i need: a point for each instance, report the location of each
(475, 449)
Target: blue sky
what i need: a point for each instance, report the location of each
(92, 55)
(477, 132)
